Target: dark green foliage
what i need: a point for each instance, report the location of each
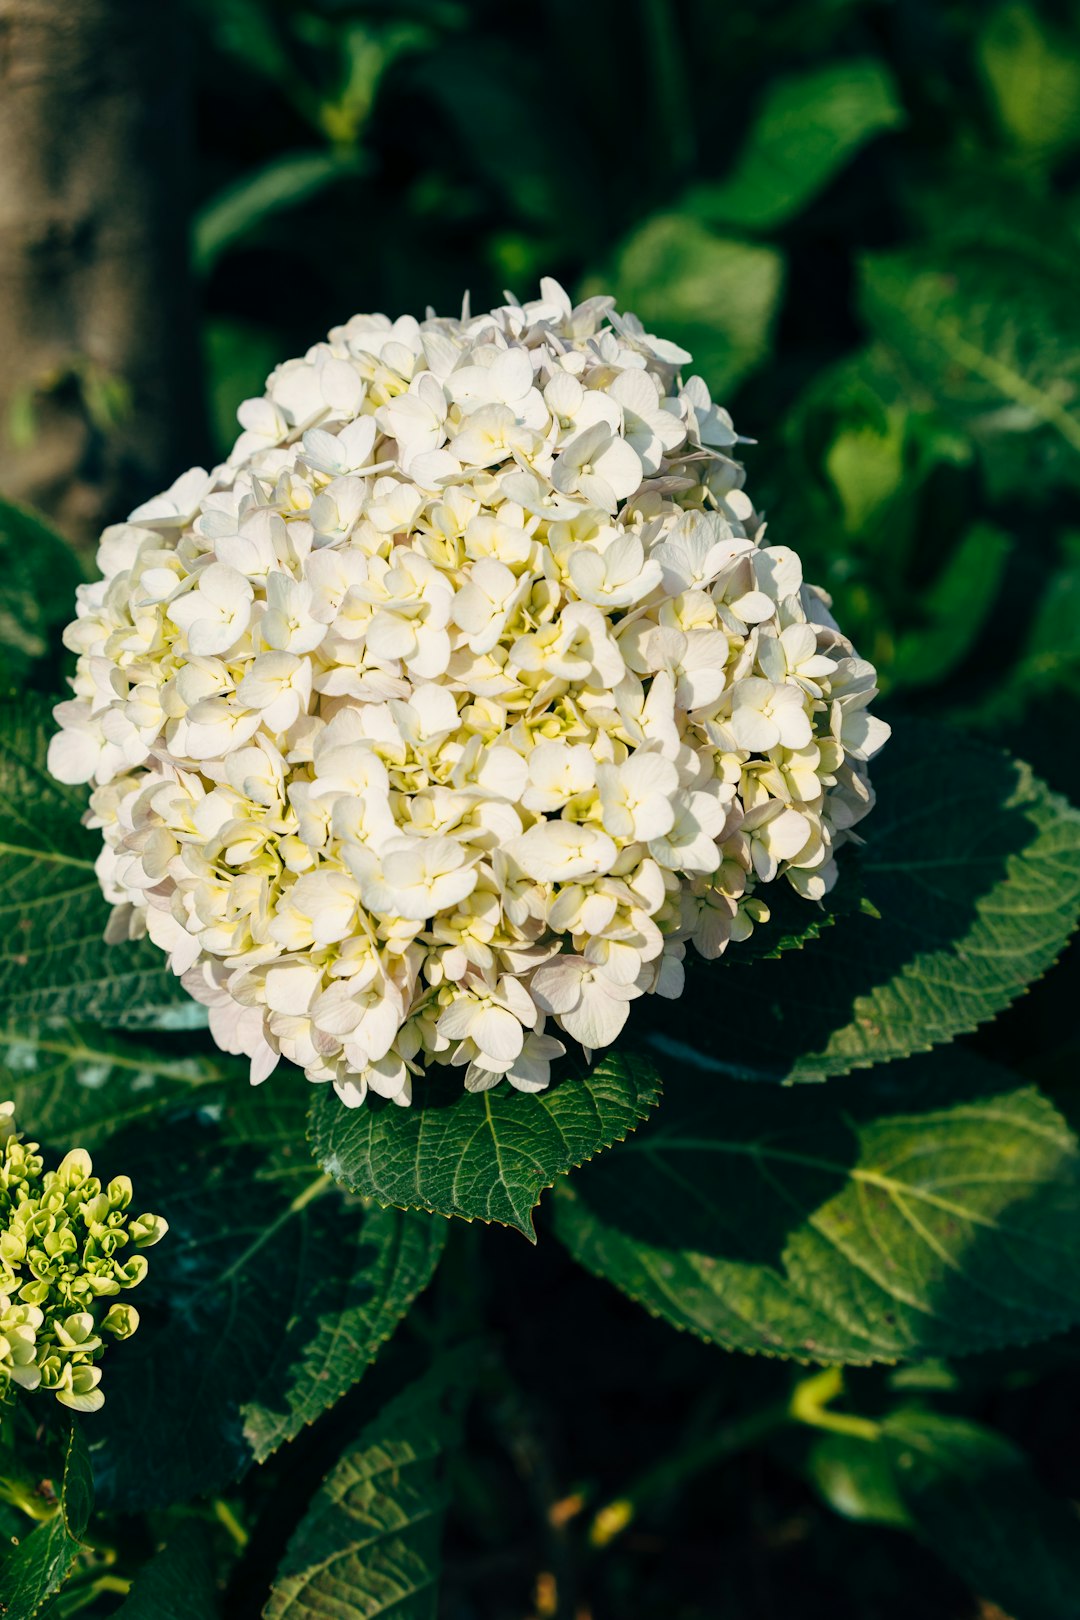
(39, 574)
(177, 1583)
(974, 1497)
(53, 961)
(863, 220)
(272, 1297)
(369, 1543)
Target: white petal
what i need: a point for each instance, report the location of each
(498, 1034)
(598, 1018)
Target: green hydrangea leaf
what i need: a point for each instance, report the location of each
(991, 336)
(970, 1495)
(808, 127)
(38, 576)
(53, 959)
(970, 890)
(1032, 74)
(32, 1571)
(975, 1500)
(177, 1583)
(716, 296)
(270, 1297)
(852, 1474)
(73, 1084)
(37, 1567)
(925, 1210)
(369, 1543)
(482, 1155)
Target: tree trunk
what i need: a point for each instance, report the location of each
(99, 374)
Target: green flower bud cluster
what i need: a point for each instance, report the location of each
(67, 1247)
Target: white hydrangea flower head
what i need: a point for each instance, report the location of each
(459, 701)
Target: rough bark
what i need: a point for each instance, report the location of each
(99, 381)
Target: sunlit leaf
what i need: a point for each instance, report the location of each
(852, 1474)
(930, 1209)
(808, 127)
(991, 336)
(715, 296)
(1032, 72)
(482, 1155)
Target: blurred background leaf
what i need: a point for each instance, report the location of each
(247, 203)
(715, 296)
(806, 130)
(1032, 73)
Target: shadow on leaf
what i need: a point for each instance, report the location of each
(930, 1210)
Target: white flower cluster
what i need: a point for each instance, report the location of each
(459, 701)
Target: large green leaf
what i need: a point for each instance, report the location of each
(77, 1086)
(715, 296)
(808, 127)
(38, 575)
(1033, 75)
(973, 869)
(975, 1499)
(178, 1582)
(992, 336)
(369, 1544)
(36, 1567)
(483, 1155)
(931, 1209)
(268, 1300)
(53, 961)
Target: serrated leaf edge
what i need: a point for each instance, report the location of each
(528, 1231)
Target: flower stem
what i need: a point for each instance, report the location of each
(225, 1516)
(668, 1476)
(809, 1404)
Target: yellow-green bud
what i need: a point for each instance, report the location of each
(148, 1230)
(62, 1243)
(121, 1321)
